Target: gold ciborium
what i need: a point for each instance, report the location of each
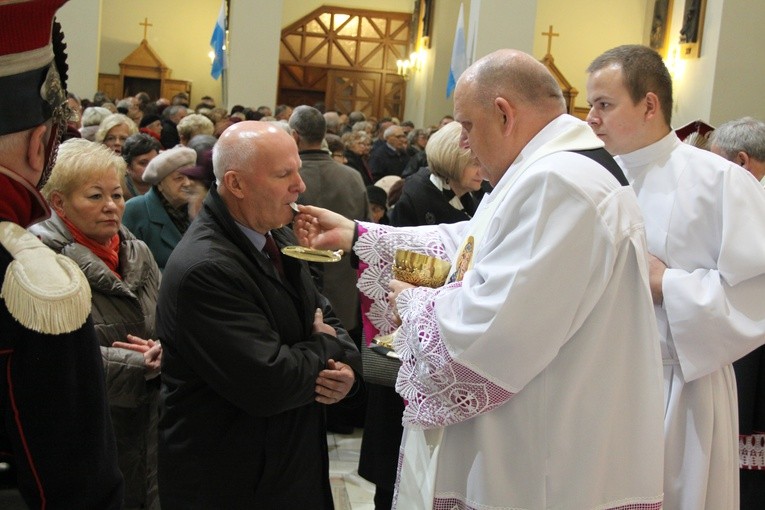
(418, 269)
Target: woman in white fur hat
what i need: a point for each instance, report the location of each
(161, 216)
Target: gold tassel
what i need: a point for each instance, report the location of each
(44, 291)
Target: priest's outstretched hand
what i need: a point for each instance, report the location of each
(323, 229)
(396, 287)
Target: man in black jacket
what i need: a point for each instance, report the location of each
(338, 188)
(252, 351)
(389, 158)
(171, 116)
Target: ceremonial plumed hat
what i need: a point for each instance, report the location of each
(32, 64)
(167, 162)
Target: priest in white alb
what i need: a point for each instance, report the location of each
(532, 378)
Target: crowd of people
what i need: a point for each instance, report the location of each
(598, 342)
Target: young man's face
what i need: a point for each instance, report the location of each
(613, 116)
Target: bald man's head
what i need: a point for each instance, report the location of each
(257, 167)
(518, 77)
(502, 101)
(245, 142)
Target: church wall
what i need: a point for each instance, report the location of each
(739, 81)
(252, 78)
(512, 29)
(82, 60)
(593, 27)
(187, 54)
(427, 109)
(587, 31)
(693, 79)
(180, 36)
(715, 87)
(506, 24)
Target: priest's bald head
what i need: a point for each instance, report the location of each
(502, 101)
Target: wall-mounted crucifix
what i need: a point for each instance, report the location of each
(146, 26)
(550, 35)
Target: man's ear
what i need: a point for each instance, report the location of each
(742, 159)
(506, 114)
(652, 105)
(233, 183)
(57, 203)
(36, 149)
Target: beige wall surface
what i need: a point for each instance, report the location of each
(723, 83)
(80, 20)
(425, 109)
(502, 24)
(182, 31)
(693, 79)
(585, 32)
(252, 79)
(739, 81)
(180, 35)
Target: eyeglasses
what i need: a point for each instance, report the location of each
(400, 136)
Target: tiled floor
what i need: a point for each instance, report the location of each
(350, 491)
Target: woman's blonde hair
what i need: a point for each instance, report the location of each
(446, 158)
(79, 160)
(114, 120)
(94, 115)
(195, 124)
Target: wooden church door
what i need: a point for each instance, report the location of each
(346, 57)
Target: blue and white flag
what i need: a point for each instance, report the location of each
(472, 32)
(218, 43)
(459, 54)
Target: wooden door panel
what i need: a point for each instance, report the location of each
(355, 51)
(393, 97)
(349, 91)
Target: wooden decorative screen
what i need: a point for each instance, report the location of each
(347, 55)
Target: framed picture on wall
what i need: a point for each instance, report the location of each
(691, 31)
(422, 24)
(662, 16)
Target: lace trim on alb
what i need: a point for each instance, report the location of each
(376, 247)
(439, 391)
(751, 452)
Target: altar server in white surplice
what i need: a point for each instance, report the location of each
(533, 376)
(705, 225)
